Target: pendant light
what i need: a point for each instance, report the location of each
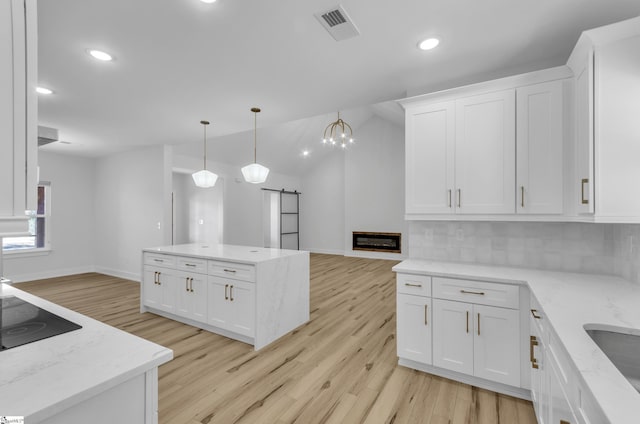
(255, 173)
(338, 132)
(204, 178)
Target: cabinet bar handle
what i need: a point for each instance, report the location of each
(533, 342)
(413, 285)
(155, 277)
(191, 285)
(229, 270)
(582, 183)
(459, 197)
(522, 196)
(478, 323)
(449, 197)
(564, 422)
(226, 288)
(534, 313)
(159, 260)
(467, 322)
(191, 265)
(425, 315)
(159, 282)
(472, 292)
(231, 293)
(186, 284)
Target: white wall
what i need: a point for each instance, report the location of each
(374, 185)
(243, 202)
(322, 206)
(360, 189)
(72, 222)
(130, 203)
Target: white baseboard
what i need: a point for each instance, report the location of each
(119, 273)
(52, 273)
(324, 251)
(375, 255)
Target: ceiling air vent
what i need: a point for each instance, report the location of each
(337, 23)
(46, 135)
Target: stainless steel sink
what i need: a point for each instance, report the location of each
(623, 350)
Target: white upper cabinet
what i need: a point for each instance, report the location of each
(606, 66)
(430, 136)
(539, 147)
(485, 153)
(18, 114)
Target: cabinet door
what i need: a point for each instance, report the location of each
(453, 335)
(429, 151)
(168, 285)
(191, 295)
(497, 344)
(485, 153)
(218, 313)
(584, 179)
(560, 410)
(151, 291)
(243, 308)
(540, 135)
(414, 328)
(539, 390)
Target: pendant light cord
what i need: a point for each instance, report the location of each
(255, 137)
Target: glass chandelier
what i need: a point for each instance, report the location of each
(338, 132)
(204, 178)
(255, 173)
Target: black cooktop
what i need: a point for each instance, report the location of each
(22, 322)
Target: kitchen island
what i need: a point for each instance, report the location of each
(95, 374)
(251, 294)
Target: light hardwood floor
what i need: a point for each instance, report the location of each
(340, 367)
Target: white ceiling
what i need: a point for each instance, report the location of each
(181, 61)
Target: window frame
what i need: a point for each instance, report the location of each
(36, 251)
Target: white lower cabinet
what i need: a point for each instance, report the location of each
(477, 340)
(232, 305)
(414, 327)
(191, 295)
(160, 288)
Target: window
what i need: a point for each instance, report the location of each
(38, 226)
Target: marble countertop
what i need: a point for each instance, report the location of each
(40, 379)
(226, 252)
(570, 301)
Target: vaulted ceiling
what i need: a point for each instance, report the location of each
(178, 62)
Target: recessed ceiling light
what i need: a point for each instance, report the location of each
(208, 1)
(100, 55)
(428, 44)
(305, 153)
(43, 90)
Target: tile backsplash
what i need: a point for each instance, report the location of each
(612, 249)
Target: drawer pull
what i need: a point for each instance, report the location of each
(533, 341)
(413, 285)
(233, 271)
(564, 422)
(472, 292)
(159, 260)
(191, 265)
(534, 313)
(226, 288)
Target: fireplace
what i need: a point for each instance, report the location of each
(377, 242)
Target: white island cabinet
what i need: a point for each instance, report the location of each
(97, 374)
(252, 294)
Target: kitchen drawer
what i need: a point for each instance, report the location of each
(479, 292)
(233, 270)
(419, 285)
(192, 264)
(159, 260)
